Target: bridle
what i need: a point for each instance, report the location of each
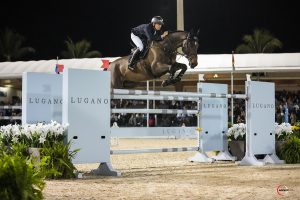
(185, 45)
(173, 51)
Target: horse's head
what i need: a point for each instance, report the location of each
(189, 48)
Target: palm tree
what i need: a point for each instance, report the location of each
(262, 41)
(11, 45)
(79, 49)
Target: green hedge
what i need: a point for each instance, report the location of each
(290, 151)
(56, 160)
(19, 180)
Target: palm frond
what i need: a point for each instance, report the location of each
(93, 54)
(79, 49)
(23, 51)
(11, 45)
(261, 41)
(243, 48)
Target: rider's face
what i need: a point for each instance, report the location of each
(157, 26)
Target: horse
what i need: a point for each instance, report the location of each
(160, 59)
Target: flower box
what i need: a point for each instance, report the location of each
(237, 149)
(33, 135)
(35, 156)
(237, 133)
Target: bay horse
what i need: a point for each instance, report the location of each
(160, 59)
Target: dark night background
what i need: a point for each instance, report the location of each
(46, 24)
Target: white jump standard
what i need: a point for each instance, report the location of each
(89, 116)
(213, 120)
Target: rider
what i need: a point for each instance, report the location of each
(145, 33)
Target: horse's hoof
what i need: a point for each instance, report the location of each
(166, 83)
(177, 79)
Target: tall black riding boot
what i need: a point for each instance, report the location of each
(133, 59)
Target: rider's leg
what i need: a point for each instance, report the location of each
(133, 59)
(138, 42)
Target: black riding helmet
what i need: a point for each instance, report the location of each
(157, 20)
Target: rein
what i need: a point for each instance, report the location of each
(170, 47)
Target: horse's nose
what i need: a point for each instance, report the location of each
(194, 64)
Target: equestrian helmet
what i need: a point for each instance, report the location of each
(157, 20)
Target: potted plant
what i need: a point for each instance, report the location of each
(290, 151)
(237, 133)
(236, 140)
(282, 132)
(296, 129)
(19, 179)
(32, 136)
(44, 143)
(57, 160)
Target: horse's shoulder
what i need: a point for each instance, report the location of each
(156, 43)
(157, 46)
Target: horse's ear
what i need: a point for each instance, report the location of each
(192, 31)
(198, 31)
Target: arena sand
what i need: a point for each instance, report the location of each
(172, 176)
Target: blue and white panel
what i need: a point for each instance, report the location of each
(213, 117)
(261, 110)
(86, 107)
(41, 97)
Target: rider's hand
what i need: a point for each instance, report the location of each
(165, 34)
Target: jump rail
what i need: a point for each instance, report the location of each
(176, 94)
(149, 97)
(135, 151)
(155, 111)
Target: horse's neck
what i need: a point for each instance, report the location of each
(174, 40)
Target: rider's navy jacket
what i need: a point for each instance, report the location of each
(147, 32)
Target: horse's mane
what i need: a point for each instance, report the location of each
(171, 33)
(169, 37)
(192, 32)
(176, 31)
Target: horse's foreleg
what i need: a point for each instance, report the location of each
(172, 70)
(159, 69)
(182, 68)
(175, 67)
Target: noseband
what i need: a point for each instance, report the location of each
(173, 51)
(185, 45)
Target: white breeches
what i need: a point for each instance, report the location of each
(137, 41)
